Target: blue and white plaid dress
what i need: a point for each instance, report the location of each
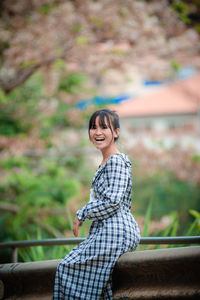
(86, 272)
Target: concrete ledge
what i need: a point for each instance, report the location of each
(26, 280)
(172, 273)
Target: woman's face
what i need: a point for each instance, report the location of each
(102, 138)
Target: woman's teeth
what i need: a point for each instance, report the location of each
(99, 139)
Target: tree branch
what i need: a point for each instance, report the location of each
(7, 85)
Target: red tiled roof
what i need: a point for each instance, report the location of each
(182, 97)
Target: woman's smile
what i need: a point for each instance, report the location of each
(98, 139)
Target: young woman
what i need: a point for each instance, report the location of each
(86, 272)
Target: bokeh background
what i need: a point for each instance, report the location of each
(62, 60)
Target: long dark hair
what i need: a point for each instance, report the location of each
(110, 116)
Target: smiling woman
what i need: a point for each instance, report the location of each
(106, 118)
(86, 272)
(104, 129)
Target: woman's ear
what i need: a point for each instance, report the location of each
(116, 133)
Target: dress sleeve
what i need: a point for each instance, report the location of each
(110, 192)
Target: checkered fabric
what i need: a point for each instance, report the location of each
(86, 272)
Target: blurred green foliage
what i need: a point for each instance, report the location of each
(72, 83)
(35, 195)
(97, 21)
(46, 9)
(4, 45)
(188, 12)
(49, 124)
(123, 12)
(59, 63)
(28, 93)
(81, 40)
(197, 27)
(10, 125)
(43, 252)
(18, 108)
(36, 192)
(167, 194)
(170, 230)
(77, 28)
(175, 66)
(182, 8)
(47, 252)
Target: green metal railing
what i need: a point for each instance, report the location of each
(70, 241)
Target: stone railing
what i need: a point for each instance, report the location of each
(172, 273)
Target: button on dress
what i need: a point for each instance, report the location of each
(86, 272)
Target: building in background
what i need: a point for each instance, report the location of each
(170, 114)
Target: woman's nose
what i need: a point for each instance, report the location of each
(98, 130)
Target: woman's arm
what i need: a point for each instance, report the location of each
(76, 225)
(111, 192)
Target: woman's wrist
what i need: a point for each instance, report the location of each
(80, 216)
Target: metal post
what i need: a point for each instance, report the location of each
(14, 255)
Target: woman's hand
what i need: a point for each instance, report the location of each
(76, 225)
